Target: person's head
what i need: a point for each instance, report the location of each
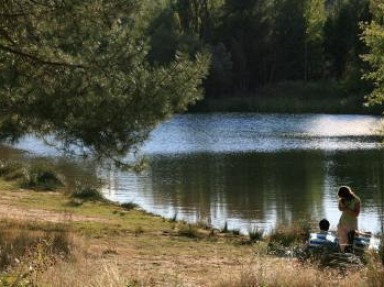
(345, 192)
(324, 225)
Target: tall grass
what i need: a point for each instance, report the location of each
(27, 251)
(39, 175)
(289, 235)
(255, 234)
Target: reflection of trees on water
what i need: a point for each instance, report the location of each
(266, 187)
(246, 186)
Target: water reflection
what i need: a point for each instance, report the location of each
(259, 189)
(259, 169)
(255, 169)
(230, 133)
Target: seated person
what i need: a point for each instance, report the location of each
(324, 238)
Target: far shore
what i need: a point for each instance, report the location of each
(292, 97)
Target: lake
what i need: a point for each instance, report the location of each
(248, 170)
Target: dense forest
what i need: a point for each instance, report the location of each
(256, 43)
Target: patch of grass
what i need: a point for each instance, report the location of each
(289, 235)
(255, 234)
(204, 225)
(11, 170)
(41, 176)
(129, 205)
(28, 250)
(34, 175)
(87, 193)
(188, 230)
(139, 230)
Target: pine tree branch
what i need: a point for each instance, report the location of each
(37, 59)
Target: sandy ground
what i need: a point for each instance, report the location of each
(164, 258)
(146, 259)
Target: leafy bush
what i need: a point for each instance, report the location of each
(87, 193)
(41, 176)
(11, 170)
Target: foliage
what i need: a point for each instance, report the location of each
(41, 176)
(342, 43)
(87, 193)
(373, 36)
(98, 76)
(77, 71)
(35, 175)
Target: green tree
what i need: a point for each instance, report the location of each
(342, 38)
(220, 77)
(290, 37)
(77, 71)
(373, 37)
(315, 19)
(245, 29)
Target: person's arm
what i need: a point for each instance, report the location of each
(354, 212)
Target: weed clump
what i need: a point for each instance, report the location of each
(38, 175)
(129, 205)
(87, 193)
(255, 234)
(42, 177)
(26, 252)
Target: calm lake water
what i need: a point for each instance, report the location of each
(256, 170)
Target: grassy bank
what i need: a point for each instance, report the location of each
(61, 237)
(291, 97)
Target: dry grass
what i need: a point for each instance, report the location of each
(113, 246)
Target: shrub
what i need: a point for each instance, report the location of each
(255, 234)
(87, 193)
(11, 170)
(129, 205)
(41, 176)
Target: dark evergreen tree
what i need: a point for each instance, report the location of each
(77, 70)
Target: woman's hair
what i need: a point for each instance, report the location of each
(346, 192)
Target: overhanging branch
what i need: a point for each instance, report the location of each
(41, 61)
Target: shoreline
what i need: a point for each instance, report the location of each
(116, 246)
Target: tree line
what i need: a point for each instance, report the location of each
(254, 43)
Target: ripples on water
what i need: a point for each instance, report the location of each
(255, 169)
(228, 133)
